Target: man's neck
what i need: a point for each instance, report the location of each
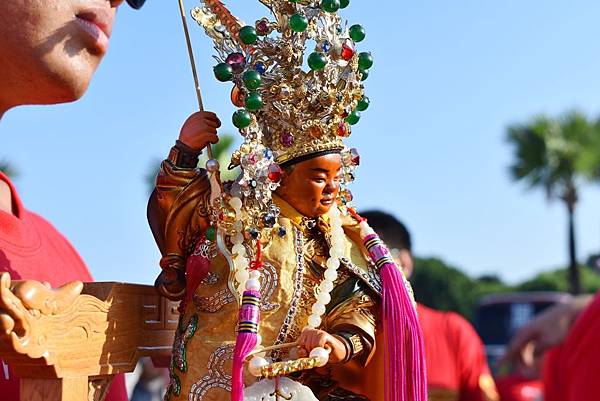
(6, 203)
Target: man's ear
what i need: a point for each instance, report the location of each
(404, 259)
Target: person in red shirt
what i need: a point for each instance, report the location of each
(565, 337)
(457, 369)
(50, 50)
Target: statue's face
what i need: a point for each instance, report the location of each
(312, 186)
(51, 48)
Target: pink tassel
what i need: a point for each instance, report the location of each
(245, 341)
(405, 376)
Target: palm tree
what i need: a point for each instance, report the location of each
(548, 154)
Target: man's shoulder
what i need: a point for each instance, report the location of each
(451, 322)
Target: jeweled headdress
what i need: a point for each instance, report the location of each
(293, 102)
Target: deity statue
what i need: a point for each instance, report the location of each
(286, 293)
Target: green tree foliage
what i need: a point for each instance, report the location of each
(445, 287)
(556, 280)
(557, 155)
(8, 168)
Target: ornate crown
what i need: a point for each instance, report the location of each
(292, 109)
(288, 111)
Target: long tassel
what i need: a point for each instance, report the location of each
(405, 375)
(246, 340)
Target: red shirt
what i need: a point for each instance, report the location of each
(456, 366)
(31, 248)
(571, 369)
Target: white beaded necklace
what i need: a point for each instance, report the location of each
(250, 279)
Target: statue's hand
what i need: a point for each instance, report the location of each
(171, 283)
(200, 129)
(313, 338)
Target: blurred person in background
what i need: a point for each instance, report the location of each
(567, 337)
(50, 50)
(457, 369)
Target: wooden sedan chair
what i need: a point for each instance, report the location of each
(66, 344)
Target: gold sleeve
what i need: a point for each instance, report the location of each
(355, 319)
(178, 211)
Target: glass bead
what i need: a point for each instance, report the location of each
(365, 61)
(237, 61)
(269, 220)
(260, 67)
(252, 79)
(354, 156)
(347, 50)
(317, 61)
(282, 232)
(353, 117)
(248, 35)
(357, 33)
(241, 119)
(254, 101)
(223, 72)
(330, 6)
(286, 139)
(275, 173)
(364, 74)
(210, 233)
(263, 27)
(298, 22)
(363, 104)
(254, 233)
(238, 96)
(325, 46)
(342, 129)
(344, 3)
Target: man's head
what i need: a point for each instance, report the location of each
(51, 48)
(311, 186)
(395, 235)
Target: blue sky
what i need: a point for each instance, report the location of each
(448, 78)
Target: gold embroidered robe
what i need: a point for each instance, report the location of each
(205, 339)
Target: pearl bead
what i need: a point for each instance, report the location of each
(331, 274)
(318, 309)
(258, 340)
(253, 284)
(256, 364)
(241, 276)
(314, 321)
(321, 354)
(238, 225)
(324, 298)
(255, 274)
(333, 263)
(326, 286)
(212, 165)
(238, 249)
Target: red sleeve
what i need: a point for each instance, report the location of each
(476, 383)
(571, 370)
(117, 391)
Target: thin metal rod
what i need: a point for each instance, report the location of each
(193, 64)
(273, 347)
